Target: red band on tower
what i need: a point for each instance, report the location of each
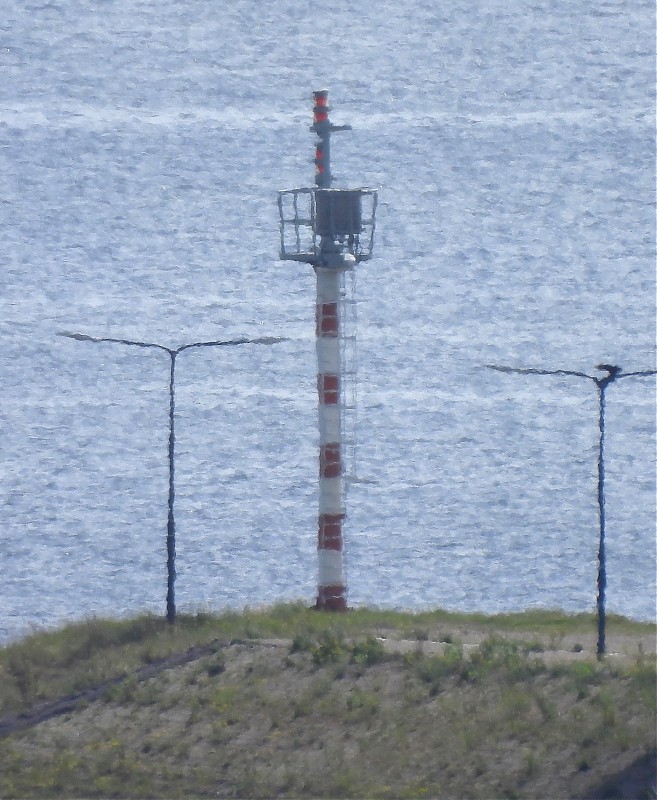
(330, 464)
(329, 534)
(321, 109)
(328, 389)
(327, 322)
(331, 598)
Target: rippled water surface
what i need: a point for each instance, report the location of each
(142, 145)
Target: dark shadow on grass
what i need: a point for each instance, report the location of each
(636, 782)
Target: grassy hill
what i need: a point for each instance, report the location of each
(289, 702)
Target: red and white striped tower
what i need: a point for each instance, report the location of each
(341, 235)
(331, 590)
(331, 593)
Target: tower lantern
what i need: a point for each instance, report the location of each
(332, 229)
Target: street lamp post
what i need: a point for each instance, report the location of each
(172, 353)
(613, 374)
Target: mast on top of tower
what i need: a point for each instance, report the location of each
(321, 224)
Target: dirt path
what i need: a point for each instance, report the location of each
(66, 705)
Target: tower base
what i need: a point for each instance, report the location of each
(331, 598)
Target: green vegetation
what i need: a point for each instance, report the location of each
(289, 702)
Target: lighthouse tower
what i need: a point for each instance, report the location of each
(333, 230)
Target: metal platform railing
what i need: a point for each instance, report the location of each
(347, 216)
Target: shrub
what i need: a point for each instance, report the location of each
(362, 705)
(216, 665)
(302, 643)
(370, 651)
(22, 669)
(329, 649)
(495, 655)
(434, 669)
